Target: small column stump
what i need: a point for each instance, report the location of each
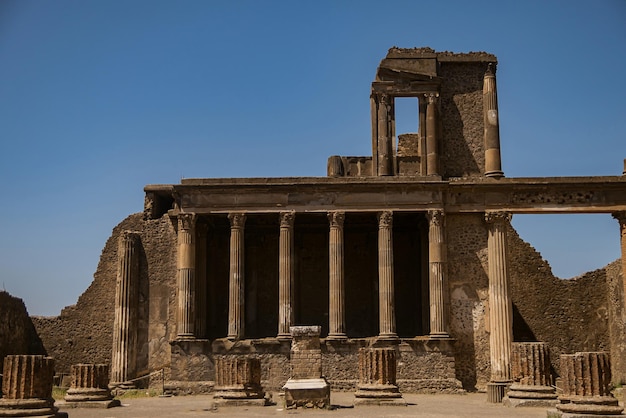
(532, 380)
(27, 387)
(586, 380)
(377, 378)
(306, 387)
(90, 387)
(238, 382)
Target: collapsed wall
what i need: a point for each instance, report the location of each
(17, 333)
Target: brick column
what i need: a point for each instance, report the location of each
(236, 298)
(386, 300)
(500, 307)
(432, 140)
(286, 277)
(336, 315)
(438, 283)
(586, 379)
(493, 165)
(90, 386)
(186, 277)
(27, 386)
(123, 354)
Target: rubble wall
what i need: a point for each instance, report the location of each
(17, 333)
(83, 333)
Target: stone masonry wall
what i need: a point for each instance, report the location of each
(462, 154)
(17, 333)
(83, 332)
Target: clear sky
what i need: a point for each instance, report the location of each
(99, 98)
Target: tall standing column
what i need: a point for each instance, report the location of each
(286, 277)
(186, 275)
(621, 218)
(385, 151)
(432, 140)
(123, 354)
(385, 276)
(201, 280)
(236, 282)
(437, 261)
(337, 316)
(500, 306)
(493, 164)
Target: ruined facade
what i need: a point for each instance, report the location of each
(410, 248)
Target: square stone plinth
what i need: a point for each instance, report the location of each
(307, 393)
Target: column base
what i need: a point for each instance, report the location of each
(283, 337)
(388, 336)
(439, 335)
(185, 337)
(496, 391)
(337, 336)
(494, 174)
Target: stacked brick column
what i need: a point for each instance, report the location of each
(532, 380)
(90, 386)
(586, 381)
(27, 387)
(238, 381)
(377, 378)
(306, 387)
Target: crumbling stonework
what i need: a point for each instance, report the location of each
(17, 333)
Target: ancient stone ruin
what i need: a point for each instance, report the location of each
(90, 387)
(410, 247)
(238, 381)
(532, 379)
(306, 387)
(377, 378)
(27, 387)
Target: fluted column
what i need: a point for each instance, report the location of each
(386, 298)
(432, 140)
(337, 316)
(236, 282)
(286, 277)
(437, 261)
(621, 218)
(493, 165)
(123, 354)
(201, 280)
(500, 306)
(90, 383)
(238, 378)
(586, 381)
(530, 372)
(27, 387)
(186, 280)
(385, 151)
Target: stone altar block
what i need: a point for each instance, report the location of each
(586, 387)
(238, 381)
(27, 387)
(377, 378)
(90, 387)
(306, 387)
(532, 380)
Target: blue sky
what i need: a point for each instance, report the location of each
(99, 98)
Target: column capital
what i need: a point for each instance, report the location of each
(237, 219)
(497, 217)
(436, 216)
(385, 219)
(491, 70)
(287, 219)
(187, 220)
(336, 218)
(431, 98)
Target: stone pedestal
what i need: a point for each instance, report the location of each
(90, 387)
(238, 381)
(27, 387)
(586, 381)
(532, 380)
(306, 387)
(377, 378)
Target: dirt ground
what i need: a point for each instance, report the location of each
(468, 405)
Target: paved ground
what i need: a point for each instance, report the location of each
(428, 406)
